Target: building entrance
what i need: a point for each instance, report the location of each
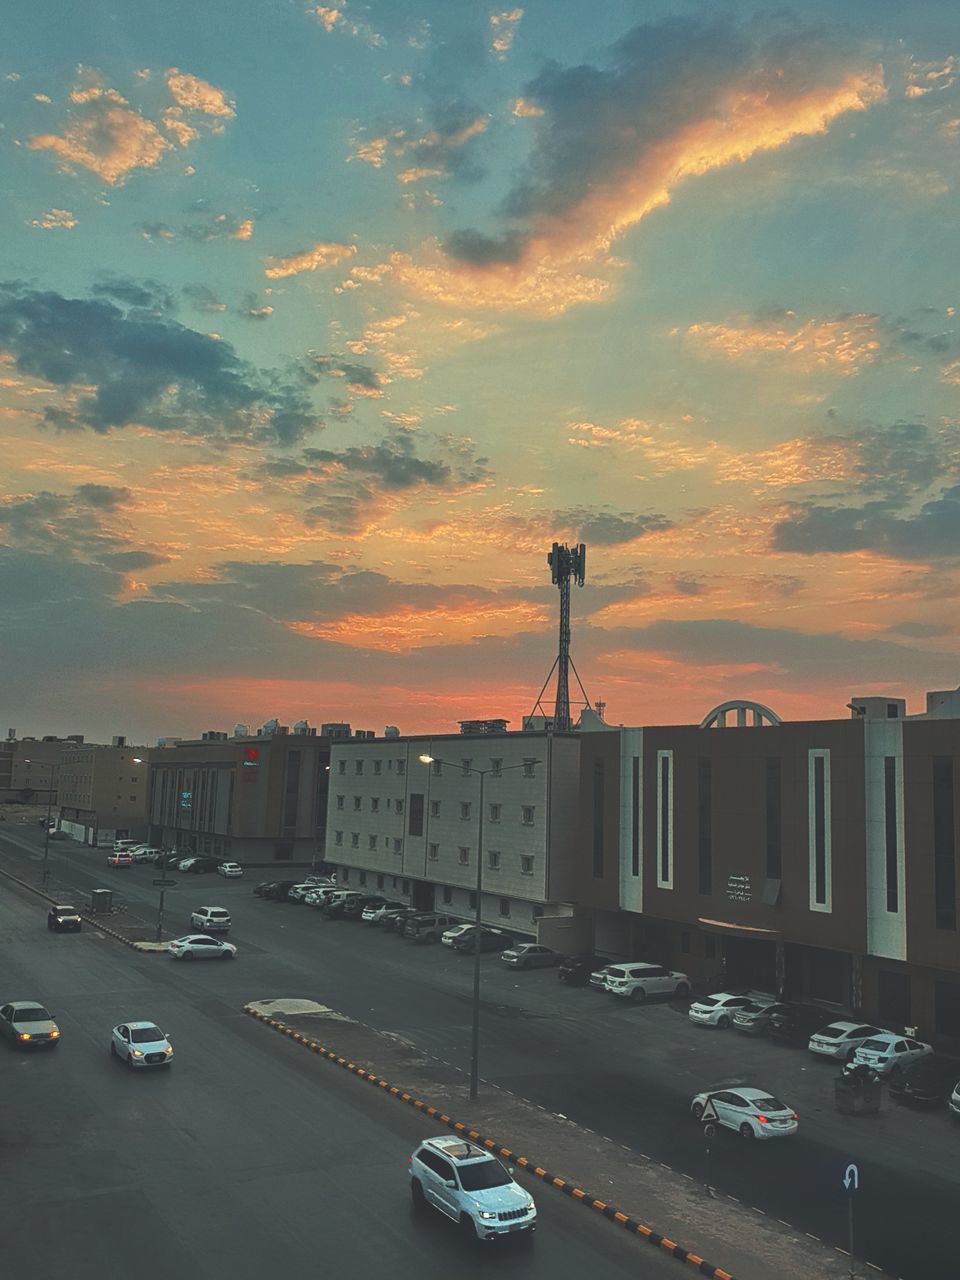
(748, 962)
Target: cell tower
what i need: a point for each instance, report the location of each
(565, 563)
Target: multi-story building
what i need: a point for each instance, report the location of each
(35, 766)
(816, 860)
(417, 829)
(255, 799)
(103, 790)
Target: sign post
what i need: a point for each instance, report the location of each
(851, 1184)
(164, 885)
(708, 1122)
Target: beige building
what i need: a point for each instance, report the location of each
(103, 792)
(35, 766)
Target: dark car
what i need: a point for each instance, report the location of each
(755, 1017)
(63, 919)
(928, 1082)
(797, 1023)
(334, 906)
(428, 927)
(260, 890)
(490, 940)
(575, 971)
(353, 907)
(277, 892)
(395, 920)
(200, 866)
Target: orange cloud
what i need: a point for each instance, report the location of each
(459, 621)
(843, 345)
(55, 220)
(524, 107)
(197, 95)
(323, 254)
(111, 141)
(503, 27)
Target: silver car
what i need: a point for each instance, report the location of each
(29, 1024)
(530, 955)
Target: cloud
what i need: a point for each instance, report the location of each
(323, 254)
(203, 298)
(84, 525)
(119, 364)
(525, 108)
(55, 220)
(842, 345)
(933, 533)
(328, 16)
(219, 226)
(609, 528)
(503, 27)
(253, 309)
(359, 378)
(673, 101)
(194, 94)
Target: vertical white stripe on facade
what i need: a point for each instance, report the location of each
(886, 930)
(631, 886)
(819, 753)
(664, 831)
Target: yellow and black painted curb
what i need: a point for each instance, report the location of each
(90, 920)
(531, 1166)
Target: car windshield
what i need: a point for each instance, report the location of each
(65, 911)
(35, 1014)
(483, 1175)
(875, 1046)
(769, 1104)
(832, 1033)
(145, 1035)
(708, 1001)
(752, 1007)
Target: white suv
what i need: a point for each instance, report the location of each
(637, 981)
(211, 919)
(472, 1187)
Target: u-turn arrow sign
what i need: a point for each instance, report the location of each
(851, 1178)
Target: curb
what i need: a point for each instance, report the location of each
(577, 1193)
(90, 920)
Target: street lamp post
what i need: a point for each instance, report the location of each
(478, 915)
(45, 873)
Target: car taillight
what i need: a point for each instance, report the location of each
(795, 1116)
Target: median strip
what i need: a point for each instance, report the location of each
(608, 1211)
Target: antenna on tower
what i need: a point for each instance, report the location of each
(565, 563)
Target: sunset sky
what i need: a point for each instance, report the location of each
(319, 324)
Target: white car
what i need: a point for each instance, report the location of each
(197, 946)
(230, 870)
(472, 1187)
(841, 1040)
(143, 853)
(889, 1053)
(211, 918)
(636, 981)
(373, 915)
(450, 936)
(318, 895)
(753, 1113)
(954, 1102)
(141, 1044)
(716, 1010)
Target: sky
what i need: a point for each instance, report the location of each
(320, 324)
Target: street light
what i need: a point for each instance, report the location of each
(478, 915)
(45, 874)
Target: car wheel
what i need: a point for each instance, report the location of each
(896, 1074)
(187, 955)
(469, 1228)
(850, 1055)
(682, 991)
(698, 1111)
(130, 1061)
(227, 955)
(638, 995)
(416, 1193)
(746, 1131)
(723, 1022)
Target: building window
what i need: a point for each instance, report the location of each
(464, 809)
(358, 767)
(496, 767)
(378, 766)
(372, 841)
(433, 852)
(387, 803)
(405, 887)
(944, 853)
(397, 845)
(893, 711)
(891, 827)
(415, 820)
(705, 825)
(374, 804)
(447, 895)
(664, 819)
(504, 908)
(363, 877)
(339, 802)
(379, 882)
(893, 998)
(291, 795)
(437, 768)
(357, 802)
(772, 817)
(818, 824)
(401, 767)
(495, 812)
(598, 802)
(398, 805)
(467, 767)
(528, 767)
(635, 816)
(434, 808)
(338, 837)
(947, 1009)
(341, 767)
(527, 812)
(493, 859)
(526, 864)
(355, 839)
(463, 856)
(346, 875)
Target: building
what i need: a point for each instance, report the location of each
(34, 768)
(417, 830)
(816, 860)
(103, 791)
(256, 799)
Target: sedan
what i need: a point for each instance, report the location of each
(755, 1017)
(61, 919)
(197, 946)
(490, 940)
(753, 1113)
(260, 890)
(298, 892)
(141, 1044)
(598, 978)
(575, 971)
(716, 1010)
(29, 1024)
(373, 915)
(530, 955)
(450, 936)
(120, 860)
(230, 870)
(930, 1082)
(888, 1054)
(841, 1040)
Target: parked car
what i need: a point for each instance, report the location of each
(298, 892)
(797, 1023)
(120, 860)
(755, 1016)
(841, 1040)
(64, 919)
(333, 907)
(141, 1044)
(318, 895)
(144, 853)
(182, 863)
(753, 1113)
(954, 1102)
(530, 955)
(260, 890)
(575, 971)
(230, 870)
(394, 919)
(211, 919)
(889, 1054)
(354, 908)
(428, 927)
(598, 978)
(716, 1010)
(373, 915)
(278, 890)
(449, 936)
(29, 1024)
(197, 946)
(929, 1082)
(200, 865)
(490, 940)
(119, 846)
(470, 1186)
(637, 981)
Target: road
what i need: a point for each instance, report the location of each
(625, 1072)
(247, 1158)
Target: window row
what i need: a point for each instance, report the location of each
(392, 844)
(494, 858)
(397, 766)
(390, 806)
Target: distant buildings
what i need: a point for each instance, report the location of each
(102, 791)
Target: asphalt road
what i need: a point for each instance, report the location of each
(625, 1072)
(247, 1158)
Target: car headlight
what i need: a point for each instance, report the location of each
(486, 1213)
(168, 1049)
(138, 1053)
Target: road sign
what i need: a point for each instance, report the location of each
(851, 1178)
(709, 1112)
(165, 884)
